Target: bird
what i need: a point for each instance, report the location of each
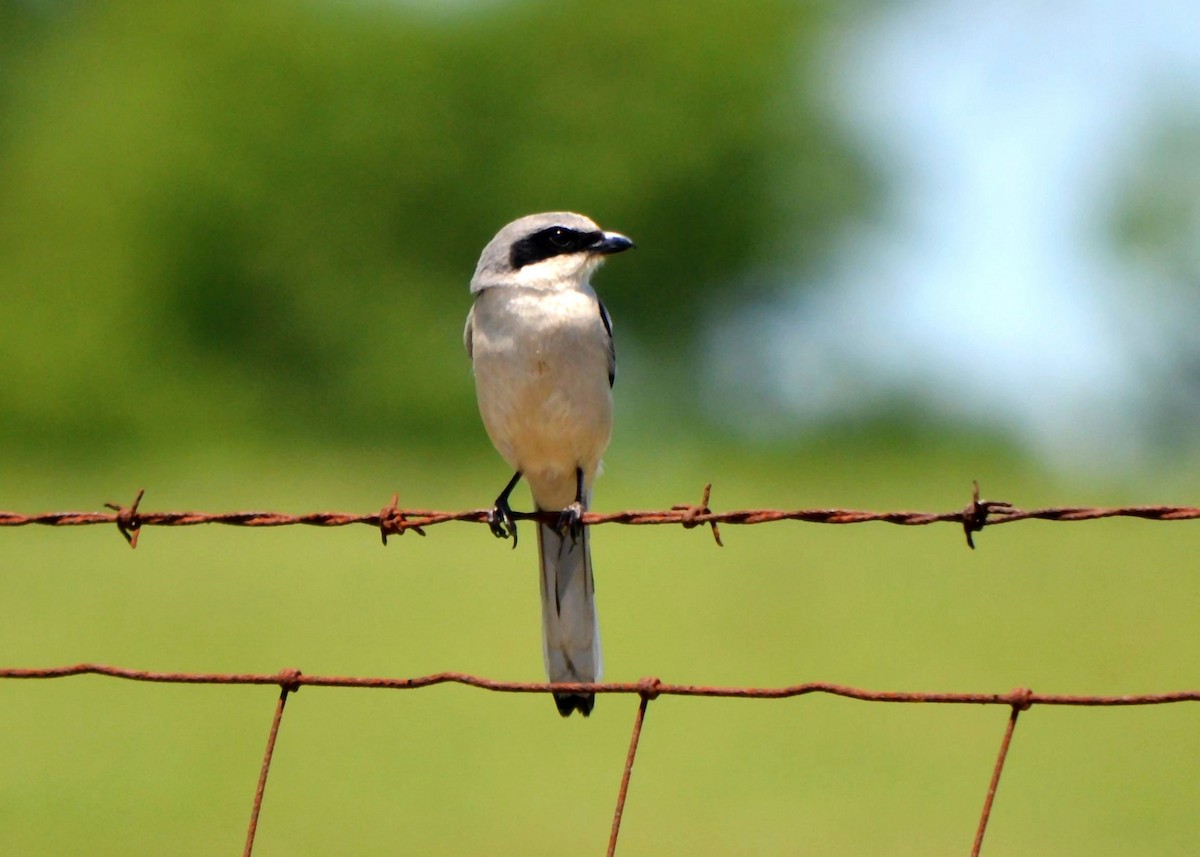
(541, 347)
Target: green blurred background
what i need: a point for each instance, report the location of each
(234, 247)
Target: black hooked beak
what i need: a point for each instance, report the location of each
(611, 242)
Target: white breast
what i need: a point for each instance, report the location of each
(541, 377)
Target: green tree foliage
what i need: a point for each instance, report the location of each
(1154, 228)
(1157, 216)
(263, 216)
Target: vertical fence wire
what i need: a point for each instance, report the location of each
(265, 769)
(990, 798)
(634, 738)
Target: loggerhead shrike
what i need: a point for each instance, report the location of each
(541, 345)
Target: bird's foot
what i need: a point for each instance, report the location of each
(570, 521)
(500, 520)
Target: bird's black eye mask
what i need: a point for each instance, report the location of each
(550, 242)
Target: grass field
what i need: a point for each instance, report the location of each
(98, 766)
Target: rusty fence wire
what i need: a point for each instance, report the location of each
(392, 520)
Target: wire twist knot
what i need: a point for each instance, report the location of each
(648, 688)
(289, 680)
(1022, 698)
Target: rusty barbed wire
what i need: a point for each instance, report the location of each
(394, 521)
(648, 689)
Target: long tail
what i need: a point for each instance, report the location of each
(570, 633)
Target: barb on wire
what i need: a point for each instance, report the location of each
(975, 515)
(129, 524)
(392, 520)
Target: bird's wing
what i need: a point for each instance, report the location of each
(612, 348)
(469, 333)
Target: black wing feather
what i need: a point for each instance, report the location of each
(612, 347)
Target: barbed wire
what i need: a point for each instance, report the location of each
(394, 521)
(648, 689)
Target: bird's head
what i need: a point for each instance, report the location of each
(554, 250)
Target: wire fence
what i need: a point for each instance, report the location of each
(391, 520)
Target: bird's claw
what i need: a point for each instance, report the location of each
(570, 521)
(501, 522)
